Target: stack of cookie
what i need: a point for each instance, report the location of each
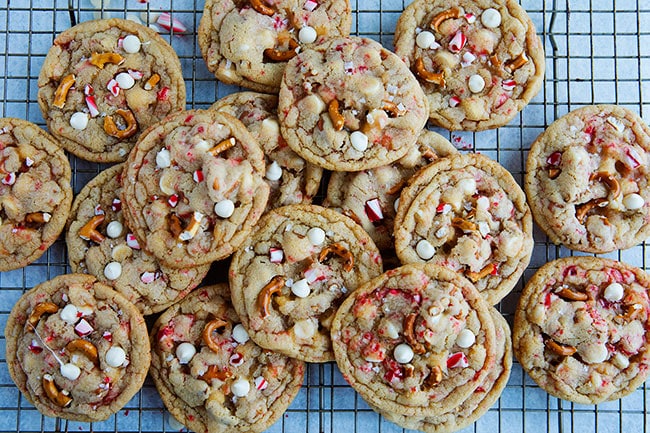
(581, 322)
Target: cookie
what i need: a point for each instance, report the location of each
(479, 402)
(248, 43)
(210, 375)
(368, 196)
(415, 342)
(76, 348)
(467, 213)
(103, 82)
(587, 179)
(35, 192)
(349, 105)
(289, 278)
(193, 188)
(100, 244)
(581, 329)
(479, 62)
(291, 179)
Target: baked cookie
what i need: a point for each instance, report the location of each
(193, 188)
(100, 244)
(35, 192)
(290, 277)
(415, 342)
(103, 82)
(479, 402)
(210, 375)
(248, 43)
(76, 348)
(581, 329)
(368, 196)
(291, 179)
(349, 105)
(480, 62)
(587, 179)
(467, 213)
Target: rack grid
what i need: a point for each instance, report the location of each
(597, 51)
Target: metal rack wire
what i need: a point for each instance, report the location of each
(597, 51)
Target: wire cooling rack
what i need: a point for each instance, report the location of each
(597, 51)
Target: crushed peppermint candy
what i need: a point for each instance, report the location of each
(457, 360)
(166, 21)
(135, 74)
(276, 255)
(471, 18)
(236, 359)
(458, 42)
(116, 205)
(454, 101)
(468, 58)
(310, 5)
(373, 210)
(9, 179)
(83, 328)
(633, 157)
(148, 277)
(29, 162)
(132, 241)
(313, 274)
(616, 123)
(113, 87)
(508, 85)
(107, 336)
(88, 90)
(173, 200)
(198, 176)
(92, 106)
(349, 68)
(443, 208)
(261, 383)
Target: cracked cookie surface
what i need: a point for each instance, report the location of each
(581, 329)
(587, 179)
(103, 82)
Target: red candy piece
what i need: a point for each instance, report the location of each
(173, 200)
(166, 22)
(457, 42)
(373, 210)
(456, 360)
(198, 176)
(554, 159)
(276, 255)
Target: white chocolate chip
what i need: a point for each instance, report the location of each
(114, 229)
(240, 388)
(359, 141)
(163, 158)
(185, 352)
(113, 270)
(79, 121)
(391, 330)
(115, 356)
(620, 361)
(491, 18)
(224, 208)
(239, 334)
(273, 171)
(633, 201)
(124, 80)
(304, 329)
(403, 353)
(131, 44)
(465, 339)
(614, 292)
(594, 353)
(396, 204)
(426, 40)
(202, 146)
(316, 235)
(467, 186)
(70, 371)
(69, 314)
(300, 288)
(425, 250)
(173, 423)
(483, 203)
(307, 35)
(476, 83)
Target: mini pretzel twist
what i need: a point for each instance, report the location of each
(392, 109)
(110, 127)
(222, 146)
(39, 310)
(572, 295)
(85, 347)
(61, 92)
(338, 250)
(54, 394)
(333, 109)
(276, 55)
(428, 76)
(89, 231)
(517, 62)
(475, 276)
(451, 13)
(560, 349)
(271, 288)
(463, 224)
(175, 226)
(434, 377)
(36, 218)
(583, 209)
(610, 182)
(409, 334)
(151, 82)
(213, 372)
(209, 328)
(100, 60)
(262, 8)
